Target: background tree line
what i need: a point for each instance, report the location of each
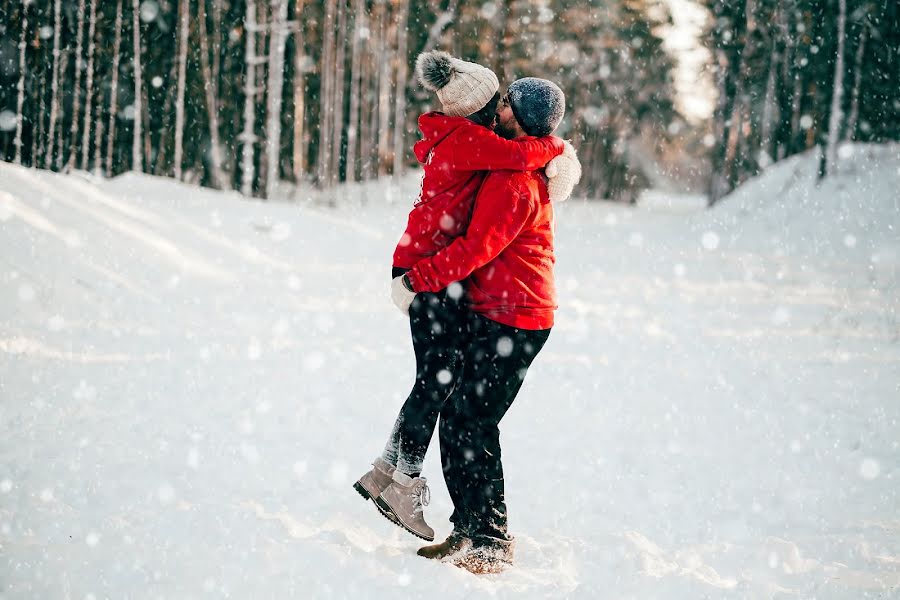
(248, 93)
(794, 74)
(242, 94)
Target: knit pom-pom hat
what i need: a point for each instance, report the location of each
(462, 87)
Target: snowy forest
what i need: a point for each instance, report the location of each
(241, 325)
(245, 94)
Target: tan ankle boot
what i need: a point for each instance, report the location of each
(454, 543)
(405, 497)
(376, 481)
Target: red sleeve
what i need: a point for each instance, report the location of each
(477, 148)
(501, 211)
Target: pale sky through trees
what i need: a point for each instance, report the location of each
(695, 96)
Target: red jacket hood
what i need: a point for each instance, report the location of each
(435, 127)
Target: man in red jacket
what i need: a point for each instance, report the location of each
(506, 259)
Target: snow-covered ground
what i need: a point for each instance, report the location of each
(190, 383)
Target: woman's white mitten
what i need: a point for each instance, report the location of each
(401, 295)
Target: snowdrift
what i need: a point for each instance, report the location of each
(852, 216)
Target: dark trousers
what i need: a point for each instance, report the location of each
(496, 359)
(438, 324)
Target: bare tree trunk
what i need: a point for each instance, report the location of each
(76, 91)
(275, 88)
(770, 106)
(89, 89)
(37, 141)
(137, 162)
(248, 137)
(355, 60)
(299, 157)
(217, 40)
(850, 132)
(60, 138)
(184, 14)
(164, 146)
(147, 137)
(400, 98)
(376, 55)
(369, 108)
(326, 111)
(98, 141)
(211, 89)
(114, 91)
(20, 100)
(339, 80)
(385, 55)
(837, 95)
(54, 86)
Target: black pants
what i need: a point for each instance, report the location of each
(438, 323)
(496, 359)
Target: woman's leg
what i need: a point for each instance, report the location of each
(438, 325)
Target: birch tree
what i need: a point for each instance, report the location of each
(76, 90)
(338, 92)
(299, 157)
(114, 91)
(369, 109)
(355, 75)
(837, 94)
(850, 132)
(137, 162)
(184, 12)
(20, 88)
(326, 85)
(275, 87)
(385, 55)
(248, 137)
(211, 93)
(400, 94)
(54, 86)
(89, 89)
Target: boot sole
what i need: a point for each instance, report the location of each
(389, 515)
(385, 508)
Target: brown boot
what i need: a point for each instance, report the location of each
(376, 481)
(454, 543)
(485, 559)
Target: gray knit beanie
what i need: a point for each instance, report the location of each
(463, 87)
(538, 104)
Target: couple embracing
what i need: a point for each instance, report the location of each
(474, 273)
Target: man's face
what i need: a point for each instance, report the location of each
(507, 126)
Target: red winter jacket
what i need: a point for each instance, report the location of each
(506, 253)
(456, 153)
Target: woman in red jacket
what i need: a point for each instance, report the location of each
(457, 150)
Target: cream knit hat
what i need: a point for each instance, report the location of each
(463, 87)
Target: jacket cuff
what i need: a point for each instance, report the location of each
(407, 283)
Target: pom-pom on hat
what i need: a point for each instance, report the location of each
(462, 87)
(538, 104)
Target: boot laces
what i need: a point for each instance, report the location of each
(421, 495)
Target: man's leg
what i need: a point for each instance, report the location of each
(496, 362)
